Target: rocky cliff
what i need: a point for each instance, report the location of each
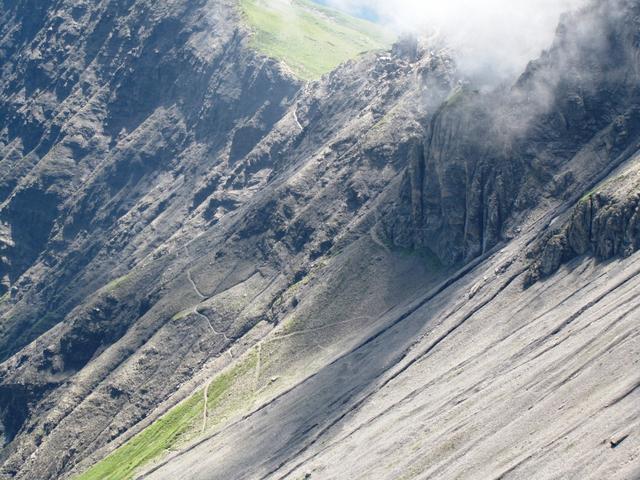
(487, 158)
(603, 224)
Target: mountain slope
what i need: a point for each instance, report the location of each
(457, 389)
(148, 213)
(238, 275)
(310, 39)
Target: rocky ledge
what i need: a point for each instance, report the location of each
(604, 224)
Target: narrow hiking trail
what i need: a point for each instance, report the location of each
(295, 117)
(201, 315)
(204, 409)
(204, 298)
(195, 287)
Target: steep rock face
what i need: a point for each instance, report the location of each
(457, 192)
(487, 158)
(134, 104)
(113, 116)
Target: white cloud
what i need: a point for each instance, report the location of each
(492, 37)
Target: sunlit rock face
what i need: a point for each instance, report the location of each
(212, 268)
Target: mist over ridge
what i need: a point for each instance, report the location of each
(493, 39)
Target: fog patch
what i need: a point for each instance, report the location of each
(492, 40)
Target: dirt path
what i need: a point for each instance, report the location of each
(295, 117)
(204, 408)
(201, 315)
(204, 298)
(197, 313)
(195, 287)
(314, 329)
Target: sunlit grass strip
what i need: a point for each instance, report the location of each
(149, 444)
(311, 40)
(179, 425)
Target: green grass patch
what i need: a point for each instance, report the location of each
(179, 425)
(587, 196)
(148, 444)
(225, 381)
(232, 390)
(218, 388)
(311, 39)
(455, 97)
(182, 314)
(113, 284)
(615, 186)
(385, 120)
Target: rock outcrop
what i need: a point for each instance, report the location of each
(604, 224)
